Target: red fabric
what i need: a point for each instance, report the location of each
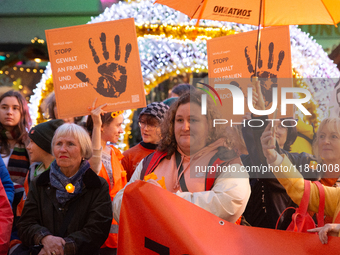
(153, 219)
(6, 221)
(301, 220)
(21, 204)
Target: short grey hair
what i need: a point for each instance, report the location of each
(333, 125)
(78, 133)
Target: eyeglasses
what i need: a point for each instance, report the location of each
(144, 125)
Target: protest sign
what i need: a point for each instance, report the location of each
(231, 60)
(156, 221)
(99, 60)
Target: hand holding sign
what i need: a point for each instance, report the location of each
(113, 77)
(258, 100)
(98, 60)
(268, 144)
(96, 112)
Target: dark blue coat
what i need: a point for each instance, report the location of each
(6, 181)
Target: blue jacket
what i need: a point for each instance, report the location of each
(6, 181)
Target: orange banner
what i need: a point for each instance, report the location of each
(231, 60)
(155, 221)
(99, 60)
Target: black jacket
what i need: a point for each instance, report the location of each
(90, 225)
(268, 197)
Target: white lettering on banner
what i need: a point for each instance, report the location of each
(223, 69)
(64, 78)
(74, 86)
(66, 60)
(228, 77)
(76, 68)
(252, 122)
(238, 100)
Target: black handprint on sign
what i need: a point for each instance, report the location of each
(267, 79)
(113, 77)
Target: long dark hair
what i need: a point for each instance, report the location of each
(19, 131)
(106, 120)
(291, 133)
(168, 142)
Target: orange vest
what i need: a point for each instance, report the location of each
(119, 180)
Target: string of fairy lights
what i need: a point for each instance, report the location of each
(168, 46)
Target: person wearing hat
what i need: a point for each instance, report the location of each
(149, 121)
(39, 151)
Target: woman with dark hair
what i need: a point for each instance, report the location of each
(189, 141)
(269, 198)
(285, 135)
(15, 123)
(106, 127)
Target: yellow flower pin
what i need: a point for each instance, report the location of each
(69, 188)
(313, 164)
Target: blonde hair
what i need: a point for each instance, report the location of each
(78, 133)
(334, 125)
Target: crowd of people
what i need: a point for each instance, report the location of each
(62, 181)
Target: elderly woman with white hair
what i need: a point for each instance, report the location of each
(68, 208)
(326, 148)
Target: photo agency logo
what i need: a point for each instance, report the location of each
(238, 102)
(204, 97)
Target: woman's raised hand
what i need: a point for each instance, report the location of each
(258, 99)
(96, 112)
(268, 144)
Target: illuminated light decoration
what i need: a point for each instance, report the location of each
(166, 48)
(37, 40)
(22, 69)
(43, 87)
(70, 188)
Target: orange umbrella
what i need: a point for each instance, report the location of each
(260, 12)
(275, 12)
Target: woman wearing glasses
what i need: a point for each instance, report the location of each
(149, 121)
